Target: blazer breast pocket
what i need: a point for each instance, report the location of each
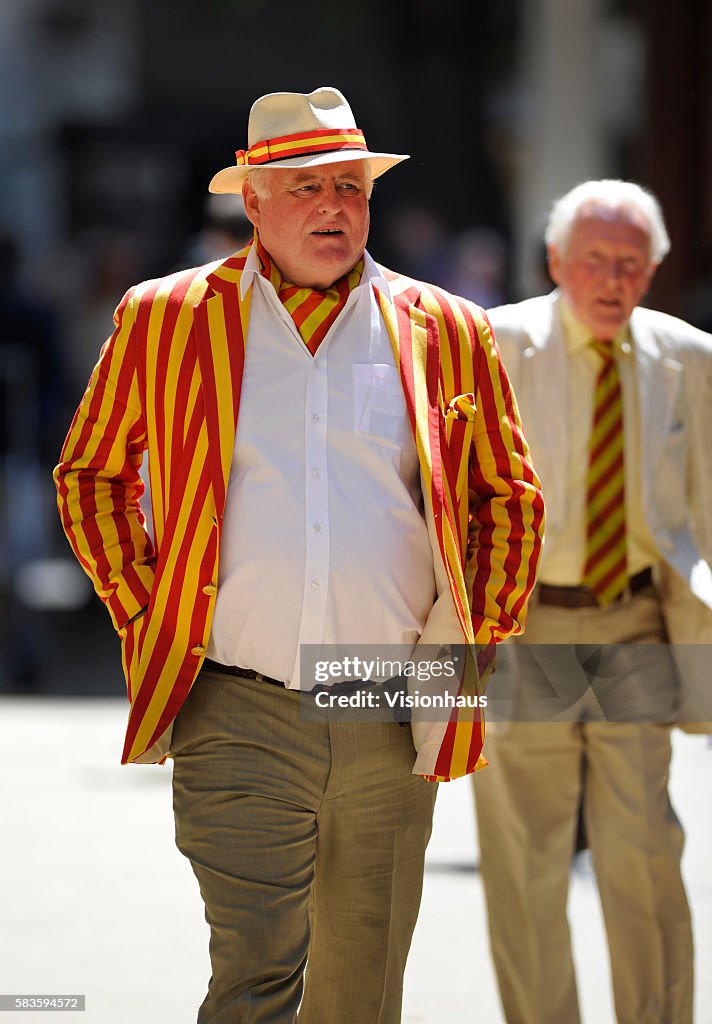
(459, 415)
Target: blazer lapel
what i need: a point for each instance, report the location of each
(221, 322)
(416, 347)
(416, 343)
(543, 396)
(659, 382)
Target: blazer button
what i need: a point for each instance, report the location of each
(198, 649)
(210, 589)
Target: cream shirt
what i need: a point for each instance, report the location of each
(563, 562)
(324, 538)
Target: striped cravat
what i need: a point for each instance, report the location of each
(312, 311)
(605, 570)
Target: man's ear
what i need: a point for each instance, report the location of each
(252, 203)
(554, 261)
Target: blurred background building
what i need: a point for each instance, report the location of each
(114, 117)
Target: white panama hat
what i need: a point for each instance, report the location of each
(294, 129)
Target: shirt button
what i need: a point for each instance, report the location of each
(210, 589)
(316, 473)
(315, 418)
(315, 584)
(316, 527)
(198, 649)
(316, 364)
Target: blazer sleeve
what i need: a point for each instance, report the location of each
(506, 507)
(97, 479)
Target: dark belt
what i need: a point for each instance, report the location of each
(582, 597)
(245, 673)
(347, 686)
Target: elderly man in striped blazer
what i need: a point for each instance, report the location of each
(335, 459)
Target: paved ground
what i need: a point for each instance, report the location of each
(95, 899)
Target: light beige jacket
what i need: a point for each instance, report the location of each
(673, 366)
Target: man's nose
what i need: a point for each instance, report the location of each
(613, 272)
(330, 200)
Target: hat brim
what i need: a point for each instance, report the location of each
(231, 179)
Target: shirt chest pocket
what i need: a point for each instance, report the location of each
(379, 410)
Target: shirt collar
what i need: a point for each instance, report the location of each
(578, 336)
(249, 271)
(371, 273)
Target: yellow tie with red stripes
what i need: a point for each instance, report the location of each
(605, 572)
(312, 311)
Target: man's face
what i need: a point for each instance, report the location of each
(314, 223)
(605, 270)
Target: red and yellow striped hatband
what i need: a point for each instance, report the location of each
(289, 130)
(301, 143)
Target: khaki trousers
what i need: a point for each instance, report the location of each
(308, 842)
(527, 805)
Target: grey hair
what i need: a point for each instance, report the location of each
(259, 179)
(615, 195)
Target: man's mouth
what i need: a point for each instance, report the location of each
(328, 231)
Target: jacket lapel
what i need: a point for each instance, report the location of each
(416, 343)
(542, 393)
(221, 322)
(416, 347)
(659, 381)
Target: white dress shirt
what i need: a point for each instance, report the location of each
(324, 538)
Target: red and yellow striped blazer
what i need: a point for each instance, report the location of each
(168, 381)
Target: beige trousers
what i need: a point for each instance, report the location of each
(527, 805)
(308, 841)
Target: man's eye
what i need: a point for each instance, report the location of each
(348, 187)
(304, 190)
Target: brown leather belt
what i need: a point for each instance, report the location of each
(346, 686)
(245, 673)
(582, 597)
(400, 715)
(249, 673)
